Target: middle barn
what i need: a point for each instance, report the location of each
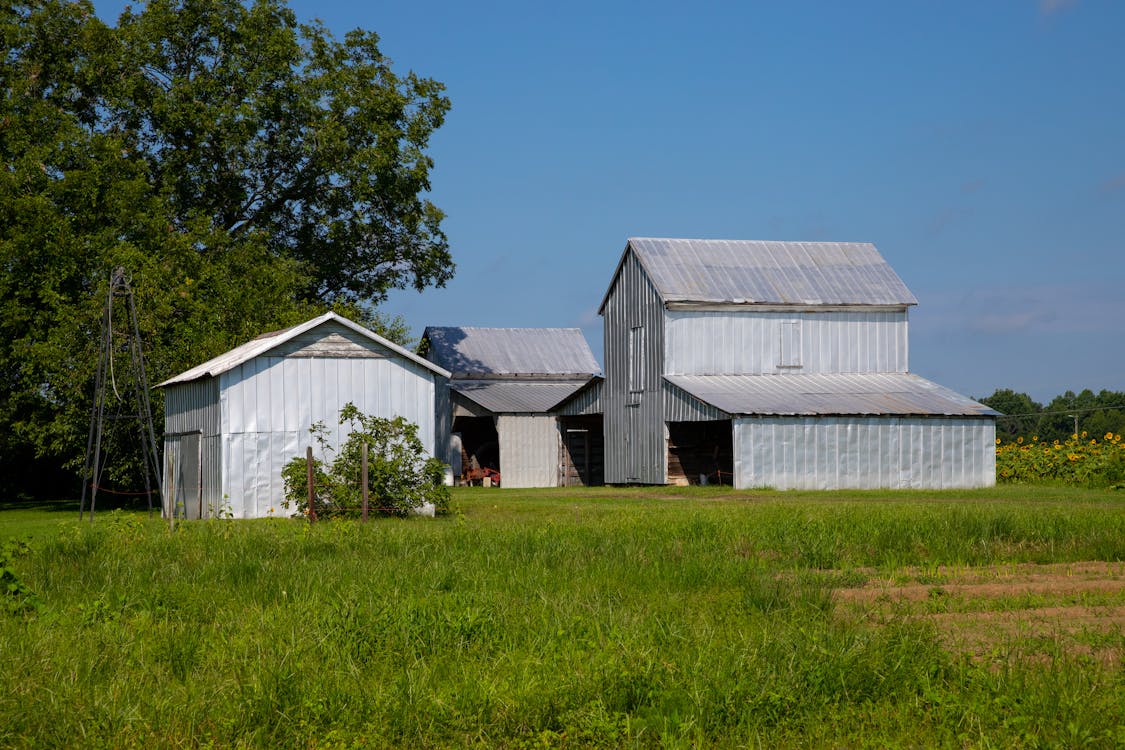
(525, 403)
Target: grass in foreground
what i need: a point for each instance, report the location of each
(567, 618)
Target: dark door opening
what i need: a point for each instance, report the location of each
(700, 452)
(480, 445)
(582, 463)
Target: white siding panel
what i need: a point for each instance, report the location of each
(269, 403)
(749, 343)
(864, 452)
(529, 450)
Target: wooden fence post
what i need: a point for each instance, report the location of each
(312, 486)
(363, 480)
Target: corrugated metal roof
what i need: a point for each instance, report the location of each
(765, 273)
(265, 342)
(474, 352)
(517, 396)
(852, 393)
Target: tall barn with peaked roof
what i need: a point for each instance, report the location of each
(234, 421)
(524, 402)
(778, 364)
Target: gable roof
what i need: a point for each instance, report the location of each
(902, 394)
(488, 352)
(267, 341)
(754, 272)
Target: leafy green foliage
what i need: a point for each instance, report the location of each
(15, 596)
(246, 170)
(1096, 413)
(401, 476)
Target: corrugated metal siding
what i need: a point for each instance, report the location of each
(634, 434)
(681, 406)
(467, 351)
(269, 403)
(529, 450)
(864, 452)
(751, 271)
(897, 393)
(745, 342)
(192, 407)
(443, 422)
(586, 402)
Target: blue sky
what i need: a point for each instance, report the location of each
(979, 145)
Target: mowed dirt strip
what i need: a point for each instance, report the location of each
(1005, 612)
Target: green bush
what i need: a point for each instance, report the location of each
(401, 476)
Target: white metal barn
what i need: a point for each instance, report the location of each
(779, 364)
(523, 402)
(233, 422)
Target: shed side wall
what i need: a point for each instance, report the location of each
(529, 450)
(744, 342)
(827, 453)
(193, 407)
(634, 423)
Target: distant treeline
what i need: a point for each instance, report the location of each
(1096, 414)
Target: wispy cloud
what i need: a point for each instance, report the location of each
(1049, 7)
(1113, 184)
(972, 186)
(1096, 307)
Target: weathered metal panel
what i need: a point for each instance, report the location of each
(443, 424)
(529, 450)
(864, 452)
(192, 407)
(681, 406)
(749, 343)
(587, 401)
(755, 272)
(854, 393)
(475, 352)
(331, 339)
(517, 396)
(269, 403)
(634, 421)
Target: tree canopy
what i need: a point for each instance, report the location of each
(246, 169)
(1096, 414)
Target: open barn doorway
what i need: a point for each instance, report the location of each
(480, 448)
(582, 452)
(701, 452)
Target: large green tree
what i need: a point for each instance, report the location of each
(247, 170)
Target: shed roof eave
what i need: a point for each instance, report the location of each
(750, 305)
(257, 347)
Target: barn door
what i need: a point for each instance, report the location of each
(183, 487)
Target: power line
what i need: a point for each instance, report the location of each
(1065, 411)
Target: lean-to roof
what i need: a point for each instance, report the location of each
(470, 352)
(833, 394)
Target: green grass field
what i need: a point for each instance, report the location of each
(561, 618)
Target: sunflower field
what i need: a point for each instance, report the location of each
(1081, 460)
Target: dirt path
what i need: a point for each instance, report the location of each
(1001, 613)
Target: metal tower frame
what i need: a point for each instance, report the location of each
(119, 288)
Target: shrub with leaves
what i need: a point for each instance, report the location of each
(401, 476)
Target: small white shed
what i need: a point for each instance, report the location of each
(233, 422)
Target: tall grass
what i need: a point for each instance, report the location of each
(601, 617)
